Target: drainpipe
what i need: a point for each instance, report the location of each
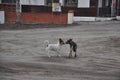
(17, 11)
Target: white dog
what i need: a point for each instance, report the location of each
(53, 47)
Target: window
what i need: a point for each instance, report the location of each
(93, 3)
(49, 2)
(26, 8)
(56, 1)
(8, 1)
(106, 3)
(71, 2)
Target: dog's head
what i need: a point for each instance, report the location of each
(61, 41)
(68, 41)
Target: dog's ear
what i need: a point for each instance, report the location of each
(70, 39)
(60, 39)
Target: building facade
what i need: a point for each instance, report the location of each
(108, 8)
(84, 8)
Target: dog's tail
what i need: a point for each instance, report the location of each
(46, 42)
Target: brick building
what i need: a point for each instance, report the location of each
(41, 10)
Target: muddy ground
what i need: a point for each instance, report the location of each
(22, 54)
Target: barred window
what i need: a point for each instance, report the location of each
(26, 8)
(93, 3)
(8, 1)
(71, 3)
(49, 2)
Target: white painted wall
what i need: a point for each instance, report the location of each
(118, 17)
(77, 18)
(32, 2)
(70, 18)
(2, 17)
(83, 3)
(0, 1)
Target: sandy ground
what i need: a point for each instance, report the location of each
(22, 54)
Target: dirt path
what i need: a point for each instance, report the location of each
(22, 54)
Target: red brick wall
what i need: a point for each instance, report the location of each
(8, 7)
(44, 17)
(37, 17)
(34, 17)
(10, 17)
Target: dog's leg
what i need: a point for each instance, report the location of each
(58, 53)
(75, 54)
(48, 53)
(70, 54)
(75, 51)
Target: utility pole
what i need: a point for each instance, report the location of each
(17, 11)
(52, 11)
(118, 3)
(98, 1)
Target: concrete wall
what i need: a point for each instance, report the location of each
(77, 18)
(118, 17)
(70, 17)
(93, 18)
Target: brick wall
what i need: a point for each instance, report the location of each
(33, 17)
(10, 10)
(8, 7)
(10, 17)
(44, 17)
(37, 17)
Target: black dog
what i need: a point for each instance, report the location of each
(73, 47)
